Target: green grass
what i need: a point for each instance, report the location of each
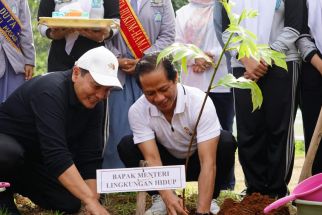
(3, 211)
(125, 203)
(299, 148)
(225, 194)
(120, 203)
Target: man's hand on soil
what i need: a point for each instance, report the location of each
(174, 205)
(95, 208)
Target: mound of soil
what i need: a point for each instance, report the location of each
(251, 205)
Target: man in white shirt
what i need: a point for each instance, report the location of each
(162, 121)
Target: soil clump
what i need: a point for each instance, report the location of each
(250, 205)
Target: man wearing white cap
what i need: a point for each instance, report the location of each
(50, 135)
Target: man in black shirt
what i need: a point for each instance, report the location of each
(50, 135)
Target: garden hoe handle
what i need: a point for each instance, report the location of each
(314, 145)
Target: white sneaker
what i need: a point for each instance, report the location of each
(214, 208)
(158, 207)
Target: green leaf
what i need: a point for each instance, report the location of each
(243, 50)
(250, 34)
(243, 15)
(280, 62)
(183, 52)
(252, 49)
(226, 5)
(166, 52)
(235, 29)
(236, 39)
(252, 13)
(233, 18)
(272, 56)
(177, 56)
(184, 65)
(242, 83)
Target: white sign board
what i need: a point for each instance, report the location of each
(140, 179)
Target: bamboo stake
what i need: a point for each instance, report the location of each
(141, 196)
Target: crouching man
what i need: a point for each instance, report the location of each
(162, 121)
(51, 136)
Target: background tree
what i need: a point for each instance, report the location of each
(41, 44)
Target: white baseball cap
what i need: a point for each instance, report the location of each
(102, 65)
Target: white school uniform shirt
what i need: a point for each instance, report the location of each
(139, 4)
(148, 123)
(210, 45)
(315, 21)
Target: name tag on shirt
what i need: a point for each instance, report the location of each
(157, 17)
(156, 3)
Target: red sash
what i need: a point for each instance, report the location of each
(132, 31)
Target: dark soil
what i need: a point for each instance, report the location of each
(251, 205)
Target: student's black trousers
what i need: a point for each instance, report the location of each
(265, 137)
(311, 103)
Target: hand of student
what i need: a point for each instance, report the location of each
(59, 33)
(200, 65)
(197, 68)
(254, 69)
(128, 65)
(95, 208)
(316, 61)
(29, 69)
(174, 204)
(98, 35)
(212, 56)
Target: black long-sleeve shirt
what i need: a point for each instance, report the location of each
(58, 59)
(46, 118)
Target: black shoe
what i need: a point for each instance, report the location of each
(7, 203)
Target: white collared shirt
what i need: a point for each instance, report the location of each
(148, 123)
